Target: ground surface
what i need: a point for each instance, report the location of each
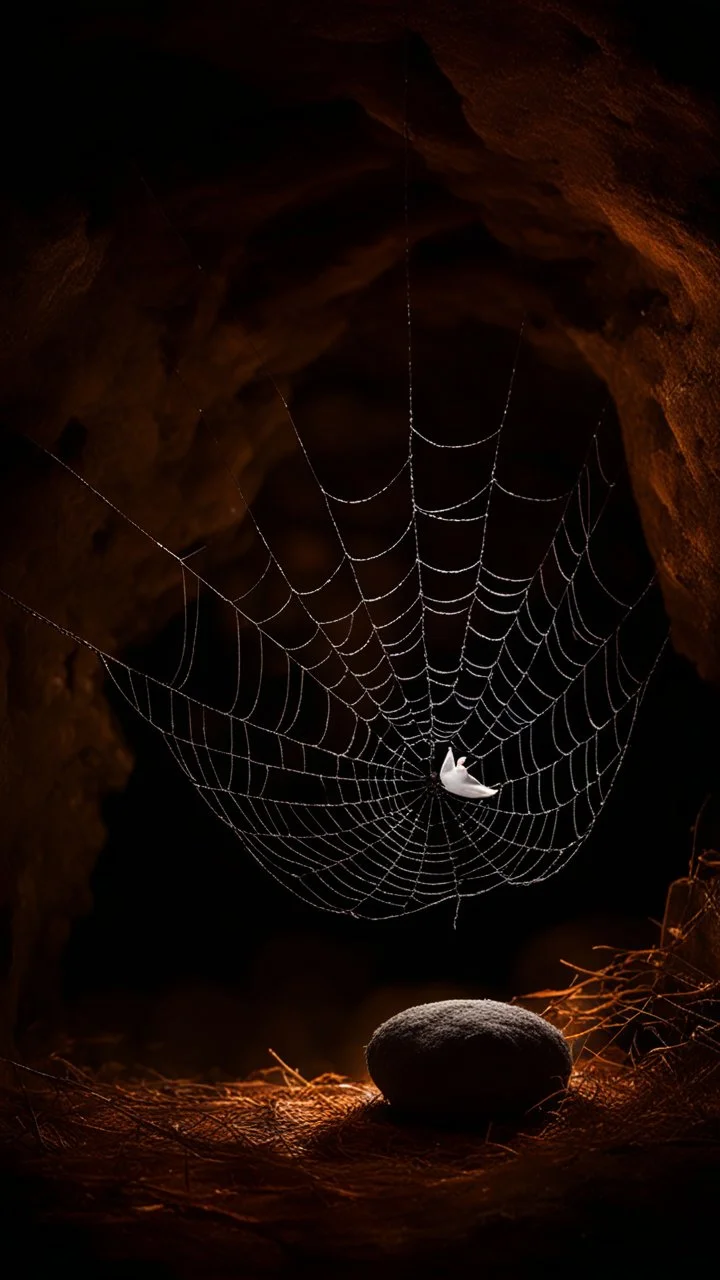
(263, 1178)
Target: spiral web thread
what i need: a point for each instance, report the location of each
(323, 758)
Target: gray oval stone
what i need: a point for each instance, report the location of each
(468, 1061)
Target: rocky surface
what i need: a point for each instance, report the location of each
(468, 1061)
(195, 197)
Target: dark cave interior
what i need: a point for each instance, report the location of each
(204, 210)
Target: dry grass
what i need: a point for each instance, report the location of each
(277, 1172)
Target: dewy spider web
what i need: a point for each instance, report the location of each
(331, 785)
(347, 694)
(323, 760)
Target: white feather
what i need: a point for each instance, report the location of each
(455, 778)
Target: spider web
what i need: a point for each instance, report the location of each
(341, 698)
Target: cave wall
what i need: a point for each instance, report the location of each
(206, 197)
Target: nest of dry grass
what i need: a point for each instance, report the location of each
(243, 1178)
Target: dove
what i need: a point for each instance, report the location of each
(455, 778)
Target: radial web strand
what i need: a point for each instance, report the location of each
(342, 698)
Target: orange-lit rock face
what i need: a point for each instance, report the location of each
(556, 173)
